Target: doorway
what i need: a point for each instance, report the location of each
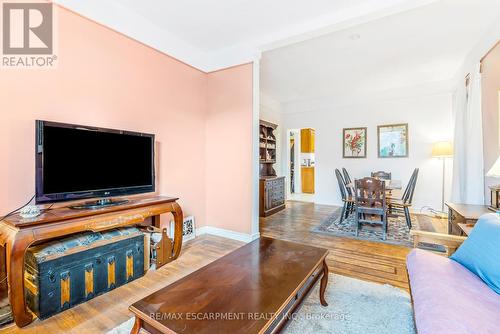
(301, 164)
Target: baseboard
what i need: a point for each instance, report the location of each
(220, 232)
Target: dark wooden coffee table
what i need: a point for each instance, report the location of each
(251, 290)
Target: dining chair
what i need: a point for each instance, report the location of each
(370, 199)
(382, 175)
(347, 178)
(348, 205)
(404, 204)
(348, 182)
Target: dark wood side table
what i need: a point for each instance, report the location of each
(464, 214)
(466, 228)
(17, 234)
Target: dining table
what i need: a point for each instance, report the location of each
(390, 185)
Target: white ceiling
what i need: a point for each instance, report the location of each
(216, 25)
(215, 34)
(425, 46)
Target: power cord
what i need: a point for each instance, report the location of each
(18, 209)
(437, 213)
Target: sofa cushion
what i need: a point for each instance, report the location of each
(480, 252)
(448, 298)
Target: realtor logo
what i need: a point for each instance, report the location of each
(27, 34)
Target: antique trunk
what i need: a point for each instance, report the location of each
(60, 274)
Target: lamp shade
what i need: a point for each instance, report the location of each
(442, 149)
(495, 169)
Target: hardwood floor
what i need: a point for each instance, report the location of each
(365, 260)
(372, 261)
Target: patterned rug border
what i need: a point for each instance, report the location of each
(325, 223)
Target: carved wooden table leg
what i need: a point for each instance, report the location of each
(171, 253)
(179, 221)
(324, 282)
(15, 261)
(137, 326)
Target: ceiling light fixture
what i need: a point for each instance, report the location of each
(355, 37)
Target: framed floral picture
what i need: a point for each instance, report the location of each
(392, 141)
(354, 140)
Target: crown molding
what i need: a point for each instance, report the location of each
(118, 17)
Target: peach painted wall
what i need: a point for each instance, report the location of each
(229, 149)
(202, 122)
(106, 79)
(490, 86)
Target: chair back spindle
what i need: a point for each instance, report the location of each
(410, 188)
(347, 177)
(342, 187)
(347, 181)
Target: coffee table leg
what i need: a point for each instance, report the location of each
(324, 282)
(137, 326)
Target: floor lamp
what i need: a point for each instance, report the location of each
(442, 150)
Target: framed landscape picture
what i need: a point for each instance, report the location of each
(354, 141)
(392, 141)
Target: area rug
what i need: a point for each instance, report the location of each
(397, 233)
(355, 307)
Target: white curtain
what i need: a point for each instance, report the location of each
(468, 169)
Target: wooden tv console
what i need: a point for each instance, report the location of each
(17, 234)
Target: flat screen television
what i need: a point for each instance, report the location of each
(78, 162)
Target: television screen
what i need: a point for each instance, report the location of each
(74, 162)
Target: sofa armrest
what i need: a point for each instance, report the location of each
(450, 242)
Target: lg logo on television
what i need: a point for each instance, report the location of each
(28, 35)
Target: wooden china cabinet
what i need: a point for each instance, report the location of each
(272, 187)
